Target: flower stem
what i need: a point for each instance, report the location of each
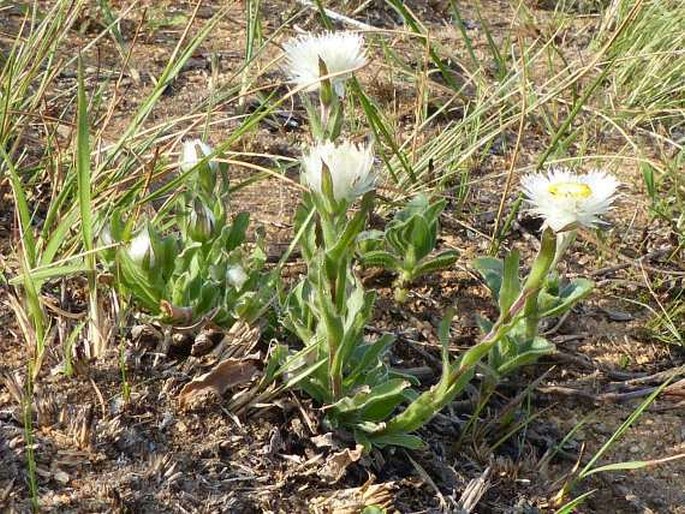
(541, 266)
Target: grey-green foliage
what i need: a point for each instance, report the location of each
(517, 348)
(406, 246)
(339, 366)
(196, 263)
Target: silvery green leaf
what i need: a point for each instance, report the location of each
(409, 441)
(422, 238)
(370, 240)
(527, 353)
(368, 356)
(236, 233)
(569, 295)
(379, 258)
(440, 262)
(138, 283)
(492, 270)
(370, 400)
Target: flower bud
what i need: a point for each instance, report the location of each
(193, 152)
(202, 222)
(140, 249)
(106, 238)
(236, 276)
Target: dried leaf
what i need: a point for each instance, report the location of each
(336, 464)
(326, 440)
(354, 500)
(226, 375)
(175, 313)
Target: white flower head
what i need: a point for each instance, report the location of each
(567, 200)
(236, 276)
(350, 165)
(140, 247)
(343, 52)
(194, 150)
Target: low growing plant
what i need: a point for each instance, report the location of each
(348, 373)
(407, 244)
(196, 264)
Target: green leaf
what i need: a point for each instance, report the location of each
(22, 209)
(511, 285)
(411, 442)
(236, 233)
(57, 237)
(368, 356)
(527, 354)
(393, 235)
(49, 272)
(571, 506)
(440, 262)
(380, 394)
(352, 229)
(83, 164)
(136, 281)
(359, 310)
(619, 466)
(379, 258)
(370, 240)
(569, 295)
(492, 271)
(422, 238)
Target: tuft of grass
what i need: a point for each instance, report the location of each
(646, 85)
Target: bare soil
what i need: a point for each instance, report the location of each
(97, 450)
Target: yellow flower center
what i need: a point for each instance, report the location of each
(574, 190)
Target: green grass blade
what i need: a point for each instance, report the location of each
(634, 416)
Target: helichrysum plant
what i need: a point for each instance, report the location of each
(329, 309)
(195, 264)
(407, 244)
(346, 372)
(567, 202)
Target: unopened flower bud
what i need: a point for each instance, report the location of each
(193, 152)
(236, 276)
(106, 236)
(202, 222)
(140, 249)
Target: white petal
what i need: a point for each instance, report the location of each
(140, 246)
(236, 276)
(343, 52)
(190, 155)
(350, 165)
(567, 200)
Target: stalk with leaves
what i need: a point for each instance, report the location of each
(195, 264)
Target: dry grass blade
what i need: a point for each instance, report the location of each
(474, 491)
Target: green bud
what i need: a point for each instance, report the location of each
(202, 222)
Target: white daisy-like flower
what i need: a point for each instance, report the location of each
(236, 276)
(567, 200)
(194, 151)
(343, 52)
(140, 247)
(350, 165)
